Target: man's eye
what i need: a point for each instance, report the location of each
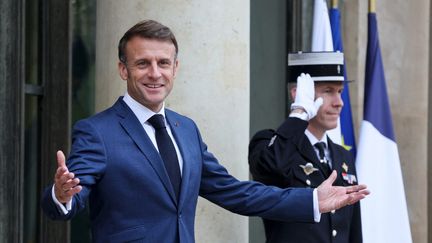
(141, 64)
(165, 63)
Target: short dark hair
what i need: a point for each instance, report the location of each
(147, 29)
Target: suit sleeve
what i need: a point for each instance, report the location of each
(87, 162)
(252, 198)
(269, 149)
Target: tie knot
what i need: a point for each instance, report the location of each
(157, 121)
(320, 146)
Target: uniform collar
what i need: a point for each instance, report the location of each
(313, 140)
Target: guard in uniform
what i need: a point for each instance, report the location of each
(300, 154)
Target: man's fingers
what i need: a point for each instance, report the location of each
(355, 188)
(69, 184)
(62, 176)
(65, 191)
(318, 102)
(357, 196)
(66, 196)
(59, 173)
(73, 191)
(61, 160)
(361, 192)
(65, 182)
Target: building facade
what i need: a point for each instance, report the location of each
(59, 64)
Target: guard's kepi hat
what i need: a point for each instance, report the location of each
(321, 66)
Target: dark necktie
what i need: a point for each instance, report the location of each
(323, 160)
(167, 151)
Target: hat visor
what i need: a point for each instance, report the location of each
(330, 79)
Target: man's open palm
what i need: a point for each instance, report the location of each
(334, 197)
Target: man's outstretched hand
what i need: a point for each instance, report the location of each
(334, 197)
(65, 183)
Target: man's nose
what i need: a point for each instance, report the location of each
(154, 71)
(338, 101)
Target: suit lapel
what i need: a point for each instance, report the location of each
(135, 130)
(336, 156)
(184, 144)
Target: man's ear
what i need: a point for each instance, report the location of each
(123, 72)
(293, 92)
(176, 65)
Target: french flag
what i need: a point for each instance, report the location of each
(384, 211)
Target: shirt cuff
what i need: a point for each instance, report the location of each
(64, 208)
(317, 214)
(303, 115)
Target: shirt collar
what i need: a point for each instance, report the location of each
(141, 112)
(313, 140)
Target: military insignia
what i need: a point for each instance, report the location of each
(272, 141)
(351, 179)
(308, 168)
(345, 167)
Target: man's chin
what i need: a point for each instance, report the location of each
(332, 126)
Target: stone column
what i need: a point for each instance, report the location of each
(212, 86)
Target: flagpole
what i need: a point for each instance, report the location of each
(334, 4)
(372, 8)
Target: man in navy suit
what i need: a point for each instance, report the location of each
(118, 161)
(287, 158)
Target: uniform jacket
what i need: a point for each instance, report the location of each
(130, 196)
(283, 164)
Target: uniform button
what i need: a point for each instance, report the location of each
(333, 211)
(334, 233)
(308, 182)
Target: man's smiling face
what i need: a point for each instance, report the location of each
(150, 70)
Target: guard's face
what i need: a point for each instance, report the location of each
(328, 113)
(150, 70)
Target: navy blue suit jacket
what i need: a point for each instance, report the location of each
(128, 189)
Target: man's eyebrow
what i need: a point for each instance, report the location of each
(140, 60)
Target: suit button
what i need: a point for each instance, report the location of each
(333, 211)
(308, 182)
(334, 233)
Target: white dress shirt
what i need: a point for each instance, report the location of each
(143, 114)
(313, 140)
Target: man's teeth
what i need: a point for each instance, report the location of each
(154, 85)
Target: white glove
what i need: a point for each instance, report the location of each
(305, 96)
